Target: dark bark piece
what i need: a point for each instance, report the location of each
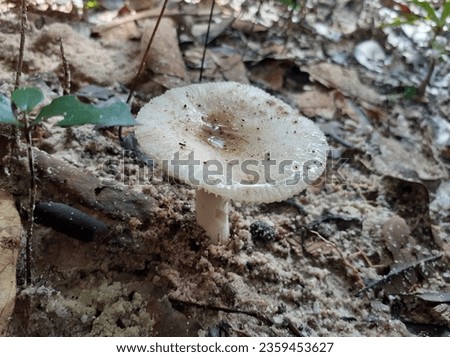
(59, 181)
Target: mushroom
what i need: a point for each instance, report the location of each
(231, 141)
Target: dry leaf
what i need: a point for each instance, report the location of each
(343, 79)
(231, 66)
(10, 230)
(404, 159)
(396, 237)
(269, 72)
(319, 248)
(316, 103)
(164, 60)
(411, 200)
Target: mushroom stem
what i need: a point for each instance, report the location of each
(212, 215)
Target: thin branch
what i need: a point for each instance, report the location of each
(255, 314)
(141, 66)
(143, 15)
(206, 40)
(23, 26)
(149, 45)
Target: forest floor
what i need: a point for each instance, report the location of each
(365, 254)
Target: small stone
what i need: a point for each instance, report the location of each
(262, 232)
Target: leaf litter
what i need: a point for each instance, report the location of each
(367, 253)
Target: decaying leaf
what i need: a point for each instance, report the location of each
(316, 103)
(231, 66)
(215, 30)
(431, 313)
(269, 72)
(411, 201)
(396, 237)
(346, 80)
(164, 60)
(442, 312)
(10, 229)
(404, 159)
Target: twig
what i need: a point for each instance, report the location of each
(291, 202)
(294, 329)
(23, 25)
(341, 255)
(141, 66)
(67, 79)
(143, 15)
(255, 314)
(399, 272)
(327, 217)
(206, 40)
(149, 45)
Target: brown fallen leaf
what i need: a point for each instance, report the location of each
(404, 159)
(396, 236)
(316, 103)
(231, 66)
(345, 80)
(164, 60)
(10, 230)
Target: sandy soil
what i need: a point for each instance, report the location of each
(289, 269)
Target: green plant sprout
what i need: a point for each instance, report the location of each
(72, 111)
(92, 4)
(68, 107)
(438, 21)
(290, 3)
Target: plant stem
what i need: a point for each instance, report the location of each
(32, 200)
(23, 25)
(422, 87)
(27, 132)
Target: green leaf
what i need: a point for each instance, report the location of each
(409, 92)
(117, 114)
(6, 113)
(431, 14)
(445, 14)
(76, 113)
(405, 19)
(92, 4)
(290, 3)
(27, 98)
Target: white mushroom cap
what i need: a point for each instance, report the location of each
(232, 130)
